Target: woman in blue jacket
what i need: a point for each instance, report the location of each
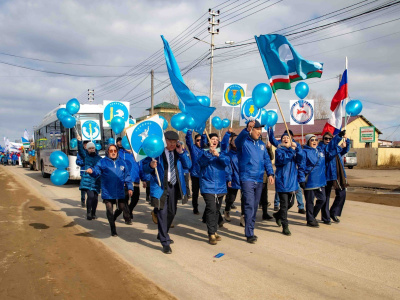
(213, 185)
(288, 159)
(115, 177)
(253, 162)
(89, 184)
(80, 162)
(315, 180)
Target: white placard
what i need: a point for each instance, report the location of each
(301, 113)
(113, 109)
(90, 130)
(233, 94)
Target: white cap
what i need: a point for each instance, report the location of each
(308, 137)
(90, 145)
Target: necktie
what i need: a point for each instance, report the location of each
(172, 168)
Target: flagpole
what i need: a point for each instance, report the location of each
(233, 109)
(345, 116)
(283, 117)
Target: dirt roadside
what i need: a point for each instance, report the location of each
(42, 256)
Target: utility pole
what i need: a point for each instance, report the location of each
(152, 92)
(212, 22)
(90, 95)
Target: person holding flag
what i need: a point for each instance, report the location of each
(169, 166)
(253, 162)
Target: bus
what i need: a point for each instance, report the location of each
(51, 135)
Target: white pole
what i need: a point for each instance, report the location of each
(345, 116)
(233, 109)
(302, 135)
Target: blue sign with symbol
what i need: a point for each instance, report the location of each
(90, 130)
(115, 109)
(141, 132)
(233, 95)
(249, 111)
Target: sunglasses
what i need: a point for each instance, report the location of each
(198, 140)
(327, 139)
(112, 151)
(313, 140)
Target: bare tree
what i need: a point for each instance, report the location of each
(321, 105)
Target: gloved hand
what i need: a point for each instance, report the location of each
(342, 133)
(303, 185)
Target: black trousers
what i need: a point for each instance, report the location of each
(166, 215)
(230, 198)
(187, 175)
(92, 201)
(123, 208)
(134, 199)
(212, 213)
(195, 192)
(338, 203)
(121, 205)
(313, 210)
(147, 190)
(83, 196)
(285, 199)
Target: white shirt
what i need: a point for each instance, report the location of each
(173, 157)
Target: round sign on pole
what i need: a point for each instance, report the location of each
(301, 112)
(233, 94)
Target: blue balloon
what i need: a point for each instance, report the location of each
(302, 90)
(185, 130)
(117, 124)
(73, 106)
(354, 107)
(98, 146)
(204, 100)
(216, 122)
(190, 122)
(111, 141)
(59, 177)
(264, 116)
(153, 146)
(272, 118)
(226, 123)
(59, 160)
(61, 113)
(73, 143)
(165, 124)
(68, 121)
(178, 121)
(125, 143)
(261, 95)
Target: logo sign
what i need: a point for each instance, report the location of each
(90, 130)
(132, 121)
(367, 134)
(115, 109)
(301, 112)
(233, 94)
(248, 111)
(137, 133)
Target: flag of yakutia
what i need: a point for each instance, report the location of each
(282, 62)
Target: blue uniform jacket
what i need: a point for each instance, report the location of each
(332, 150)
(160, 192)
(212, 168)
(114, 177)
(15, 157)
(225, 142)
(288, 174)
(194, 154)
(79, 160)
(315, 176)
(88, 182)
(253, 158)
(233, 174)
(133, 167)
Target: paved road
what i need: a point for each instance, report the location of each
(358, 258)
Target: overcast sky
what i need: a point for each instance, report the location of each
(117, 35)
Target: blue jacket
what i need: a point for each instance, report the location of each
(79, 160)
(233, 169)
(14, 157)
(134, 169)
(225, 142)
(114, 177)
(88, 182)
(288, 174)
(315, 176)
(160, 192)
(333, 150)
(253, 158)
(213, 174)
(194, 154)
(271, 137)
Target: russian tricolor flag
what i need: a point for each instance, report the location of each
(334, 124)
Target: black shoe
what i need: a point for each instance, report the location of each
(252, 239)
(256, 237)
(233, 206)
(167, 249)
(94, 217)
(129, 222)
(277, 219)
(89, 217)
(131, 216)
(170, 241)
(83, 204)
(221, 224)
(196, 211)
(313, 223)
(286, 231)
(335, 219)
(266, 217)
(276, 208)
(114, 233)
(302, 211)
(327, 222)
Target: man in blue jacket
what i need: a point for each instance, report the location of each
(335, 173)
(169, 166)
(253, 162)
(195, 151)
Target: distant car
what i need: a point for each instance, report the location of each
(350, 159)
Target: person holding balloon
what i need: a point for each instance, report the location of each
(115, 177)
(89, 184)
(253, 162)
(165, 165)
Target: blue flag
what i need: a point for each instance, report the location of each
(282, 62)
(187, 99)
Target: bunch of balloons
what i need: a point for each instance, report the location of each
(65, 115)
(354, 107)
(261, 96)
(59, 160)
(182, 120)
(219, 124)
